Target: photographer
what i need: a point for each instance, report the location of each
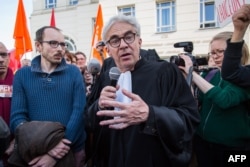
(224, 125)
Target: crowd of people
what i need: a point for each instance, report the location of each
(60, 114)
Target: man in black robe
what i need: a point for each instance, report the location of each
(156, 127)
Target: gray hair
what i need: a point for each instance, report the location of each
(124, 19)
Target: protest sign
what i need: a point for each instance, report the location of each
(226, 8)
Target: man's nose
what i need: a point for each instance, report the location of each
(1, 59)
(123, 43)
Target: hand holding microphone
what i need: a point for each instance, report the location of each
(125, 108)
(114, 74)
(109, 92)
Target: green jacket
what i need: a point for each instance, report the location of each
(225, 118)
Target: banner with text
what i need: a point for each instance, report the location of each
(226, 8)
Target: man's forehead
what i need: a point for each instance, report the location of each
(120, 28)
(52, 34)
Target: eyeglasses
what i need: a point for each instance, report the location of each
(128, 38)
(4, 54)
(55, 44)
(216, 52)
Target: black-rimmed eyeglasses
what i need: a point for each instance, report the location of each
(55, 44)
(4, 54)
(128, 38)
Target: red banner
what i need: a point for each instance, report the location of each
(52, 18)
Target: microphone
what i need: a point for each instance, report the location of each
(114, 74)
(183, 44)
(94, 67)
(188, 46)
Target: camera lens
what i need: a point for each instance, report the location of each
(177, 60)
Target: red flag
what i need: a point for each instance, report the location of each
(14, 63)
(97, 36)
(52, 19)
(21, 33)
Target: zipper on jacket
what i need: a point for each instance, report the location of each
(206, 120)
(204, 126)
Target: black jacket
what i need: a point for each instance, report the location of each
(232, 70)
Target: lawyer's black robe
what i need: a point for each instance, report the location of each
(164, 139)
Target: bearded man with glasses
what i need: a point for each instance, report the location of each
(155, 124)
(50, 90)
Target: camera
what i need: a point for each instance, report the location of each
(188, 48)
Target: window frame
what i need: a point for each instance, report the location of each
(71, 44)
(50, 4)
(73, 2)
(131, 12)
(169, 8)
(205, 13)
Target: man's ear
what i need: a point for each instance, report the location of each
(107, 50)
(38, 46)
(140, 42)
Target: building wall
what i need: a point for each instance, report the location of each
(74, 21)
(77, 22)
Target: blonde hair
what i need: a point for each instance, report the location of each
(226, 35)
(222, 36)
(245, 55)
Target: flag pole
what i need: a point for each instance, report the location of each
(24, 48)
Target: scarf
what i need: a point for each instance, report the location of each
(124, 82)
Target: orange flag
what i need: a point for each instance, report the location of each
(97, 36)
(21, 33)
(52, 19)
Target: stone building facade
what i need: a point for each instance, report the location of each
(163, 22)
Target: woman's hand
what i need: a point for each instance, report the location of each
(188, 63)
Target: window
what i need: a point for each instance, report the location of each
(50, 4)
(73, 2)
(71, 46)
(208, 17)
(128, 11)
(165, 16)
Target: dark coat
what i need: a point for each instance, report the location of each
(36, 138)
(165, 139)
